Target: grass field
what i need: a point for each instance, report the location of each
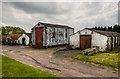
(107, 59)
(13, 68)
(0, 66)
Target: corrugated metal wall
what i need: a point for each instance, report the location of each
(33, 37)
(59, 38)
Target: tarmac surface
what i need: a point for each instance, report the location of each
(59, 64)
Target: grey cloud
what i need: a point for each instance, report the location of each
(38, 7)
(77, 15)
(119, 13)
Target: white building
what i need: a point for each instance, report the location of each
(88, 38)
(12, 38)
(45, 34)
(25, 39)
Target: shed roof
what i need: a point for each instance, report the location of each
(29, 35)
(106, 33)
(3, 37)
(54, 25)
(15, 36)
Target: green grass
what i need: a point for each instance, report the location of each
(107, 59)
(13, 68)
(0, 66)
(56, 52)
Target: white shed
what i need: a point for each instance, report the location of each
(103, 40)
(25, 39)
(46, 34)
(12, 38)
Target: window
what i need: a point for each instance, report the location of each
(66, 33)
(53, 32)
(38, 24)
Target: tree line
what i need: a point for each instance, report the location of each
(115, 28)
(11, 30)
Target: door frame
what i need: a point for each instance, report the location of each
(24, 41)
(90, 40)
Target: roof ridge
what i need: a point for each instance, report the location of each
(54, 24)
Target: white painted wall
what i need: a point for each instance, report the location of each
(97, 40)
(100, 41)
(75, 40)
(8, 36)
(27, 39)
(85, 32)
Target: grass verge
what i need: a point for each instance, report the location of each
(13, 68)
(107, 59)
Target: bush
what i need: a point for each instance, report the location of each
(76, 48)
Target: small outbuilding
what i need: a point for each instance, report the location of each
(90, 38)
(12, 38)
(3, 39)
(25, 39)
(45, 34)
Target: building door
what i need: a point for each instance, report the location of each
(8, 39)
(85, 41)
(39, 36)
(23, 41)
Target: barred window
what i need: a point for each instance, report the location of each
(66, 33)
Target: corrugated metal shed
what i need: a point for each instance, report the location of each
(45, 34)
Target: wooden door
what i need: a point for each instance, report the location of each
(8, 39)
(85, 41)
(39, 36)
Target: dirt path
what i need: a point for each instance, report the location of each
(59, 64)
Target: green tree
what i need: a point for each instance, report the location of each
(3, 30)
(12, 30)
(110, 28)
(105, 28)
(96, 27)
(116, 28)
(101, 28)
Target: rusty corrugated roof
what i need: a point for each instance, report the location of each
(106, 33)
(15, 36)
(3, 38)
(54, 25)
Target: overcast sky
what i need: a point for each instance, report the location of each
(78, 15)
